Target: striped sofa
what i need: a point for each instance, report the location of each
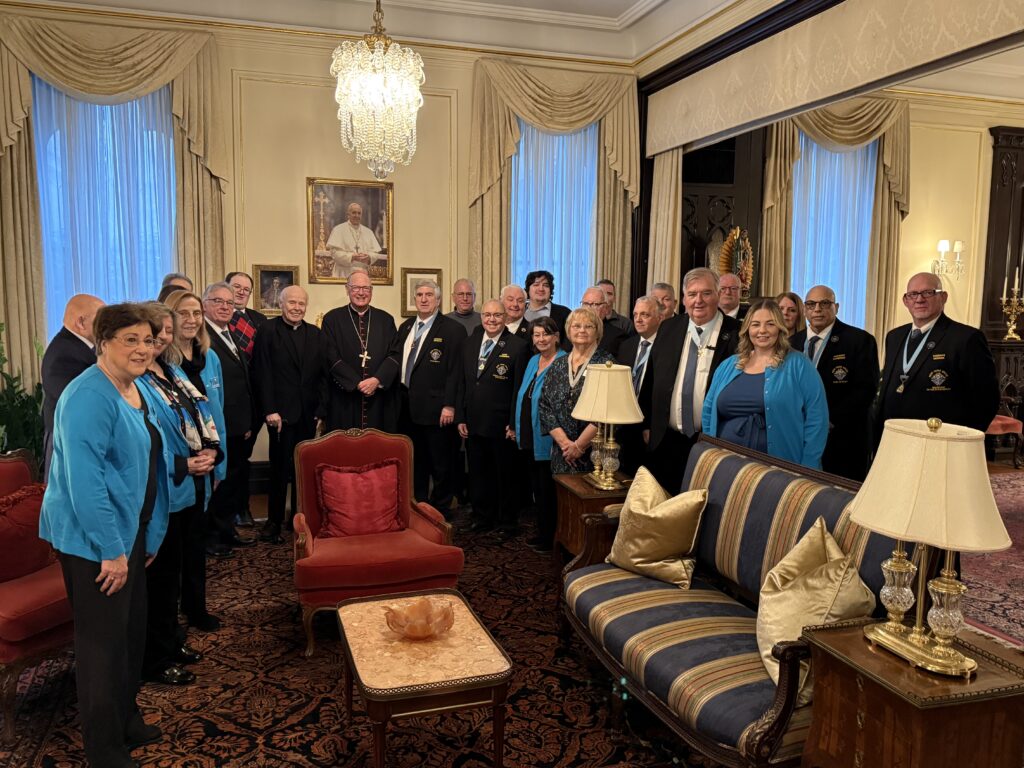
(691, 656)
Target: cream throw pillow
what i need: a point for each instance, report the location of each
(815, 583)
(656, 531)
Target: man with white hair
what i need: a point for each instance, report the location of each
(665, 295)
(292, 393)
(513, 298)
(428, 347)
(635, 351)
(352, 243)
(594, 298)
(730, 291)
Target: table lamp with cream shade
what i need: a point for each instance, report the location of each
(607, 400)
(928, 484)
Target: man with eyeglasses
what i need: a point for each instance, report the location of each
(847, 361)
(730, 291)
(230, 499)
(244, 321)
(356, 342)
(935, 366)
(594, 298)
(464, 301)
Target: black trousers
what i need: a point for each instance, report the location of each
(542, 483)
(192, 522)
(110, 635)
(163, 585)
(231, 496)
(433, 456)
(493, 480)
(282, 466)
(243, 491)
(667, 462)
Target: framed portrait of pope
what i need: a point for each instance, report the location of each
(350, 224)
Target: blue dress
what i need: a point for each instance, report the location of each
(741, 412)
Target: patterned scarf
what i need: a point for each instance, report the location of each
(199, 434)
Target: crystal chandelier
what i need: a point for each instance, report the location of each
(378, 96)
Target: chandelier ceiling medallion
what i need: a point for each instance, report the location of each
(378, 96)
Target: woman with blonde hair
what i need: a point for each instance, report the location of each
(792, 308)
(191, 351)
(767, 396)
(562, 387)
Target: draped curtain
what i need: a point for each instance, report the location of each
(665, 249)
(105, 64)
(841, 128)
(556, 100)
(553, 208)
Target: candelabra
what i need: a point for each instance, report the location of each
(1012, 308)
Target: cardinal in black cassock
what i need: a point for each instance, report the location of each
(355, 340)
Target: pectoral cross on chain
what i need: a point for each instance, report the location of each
(365, 357)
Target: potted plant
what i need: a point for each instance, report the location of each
(21, 411)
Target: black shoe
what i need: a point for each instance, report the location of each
(506, 532)
(234, 540)
(173, 675)
(205, 623)
(219, 551)
(244, 519)
(271, 533)
(139, 733)
(186, 654)
(480, 526)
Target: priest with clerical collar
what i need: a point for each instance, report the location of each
(356, 340)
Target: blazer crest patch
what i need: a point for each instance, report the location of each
(501, 369)
(435, 355)
(840, 372)
(938, 377)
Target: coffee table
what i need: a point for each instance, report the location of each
(463, 669)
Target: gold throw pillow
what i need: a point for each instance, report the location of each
(655, 531)
(815, 583)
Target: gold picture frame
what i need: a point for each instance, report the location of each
(268, 280)
(327, 204)
(409, 276)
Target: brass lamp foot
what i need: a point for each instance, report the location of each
(921, 651)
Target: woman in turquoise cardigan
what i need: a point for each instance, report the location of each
(767, 396)
(191, 427)
(536, 445)
(105, 512)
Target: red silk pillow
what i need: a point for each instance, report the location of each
(356, 501)
(21, 550)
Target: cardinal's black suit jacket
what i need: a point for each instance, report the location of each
(663, 365)
(437, 372)
(848, 367)
(954, 378)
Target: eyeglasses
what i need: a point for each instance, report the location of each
(221, 302)
(492, 315)
(825, 304)
(582, 327)
(729, 289)
(465, 294)
(915, 295)
(133, 341)
(360, 288)
(241, 289)
(592, 304)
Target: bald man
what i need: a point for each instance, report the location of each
(935, 366)
(70, 352)
(292, 391)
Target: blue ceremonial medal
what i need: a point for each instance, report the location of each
(908, 364)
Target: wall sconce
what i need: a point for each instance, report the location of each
(945, 268)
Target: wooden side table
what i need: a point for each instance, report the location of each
(873, 710)
(576, 498)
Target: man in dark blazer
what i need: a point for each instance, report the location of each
(513, 300)
(935, 366)
(493, 365)
(680, 368)
(730, 292)
(596, 299)
(540, 285)
(847, 361)
(231, 496)
(429, 347)
(635, 352)
(69, 352)
(292, 394)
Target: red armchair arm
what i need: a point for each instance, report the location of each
(302, 546)
(429, 523)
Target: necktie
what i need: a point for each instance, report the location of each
(812, 345)
(488, 346)
(226, 334)
(412, 352)
(915, 339)
(641, 362)
(690, 424)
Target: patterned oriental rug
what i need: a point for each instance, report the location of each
(259, 704)
(995, 580)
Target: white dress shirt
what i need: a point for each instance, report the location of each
(639, 346)
(407, 346)
(703, 373)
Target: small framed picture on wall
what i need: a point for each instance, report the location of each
(350, 224)
(410, 276)
(270, 280)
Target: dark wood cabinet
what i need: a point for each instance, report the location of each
(1005, 225)
(576, 498)
(873, 710)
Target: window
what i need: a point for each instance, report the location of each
(833, 201)
(107, 196)
(553, 209)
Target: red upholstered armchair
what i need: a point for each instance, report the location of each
(35, 615)
(350, 482)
